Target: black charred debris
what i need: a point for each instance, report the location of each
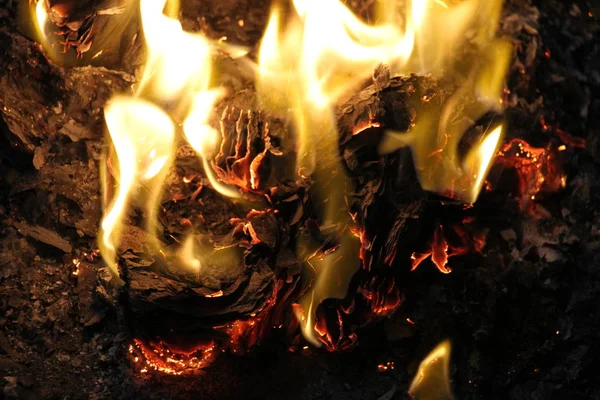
(521, 313)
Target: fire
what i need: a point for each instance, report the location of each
(320, 51)
(173, 71)
(158, 356)
(176, 77)
(432, 380)
(43, 33)
(537, 168)
(142, 136)
(435, 134)
(459, 238)
(309, 59)
(188, 257)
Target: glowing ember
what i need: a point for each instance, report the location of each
(538, 169)
(439, 250)
(432, 381)
(76, 264)
(151, 356)
(326, 331)
(383, 296)
(463, 241)
(386, 367)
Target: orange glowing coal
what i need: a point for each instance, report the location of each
(158, 356)
(538, 169)
(441, 250)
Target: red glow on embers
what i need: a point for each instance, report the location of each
(159, 356)
(537, 169)
(332, 332)
(383, 296)
(464, 240)
(439, 250)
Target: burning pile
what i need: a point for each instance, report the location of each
(300, 191)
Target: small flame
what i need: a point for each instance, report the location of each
(43, 29)
(41, 17)
(479, 160)
(187, 256)
(203, 138)
(432, 381)
(333, 273)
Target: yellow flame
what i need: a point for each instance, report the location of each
(203, 138)
(187, 256)
(321, 53)
(43, 31)
(333, 274)
(177, 78)
(179, 62)
(478, 162)
(309, 58)
(41, 17)
(432, 381)
(142, 135)
(434, 139)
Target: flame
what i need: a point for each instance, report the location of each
(333, 272)
(308, 61)
(187, 256)
(176, 77)
(435, 134)
(478, 162)
(178, 64)
(432, 381)
(203, 138)
(43, 28)
(321, 51)
(142, 136)
(538, 169)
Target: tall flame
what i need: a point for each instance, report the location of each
(311, 57)
(432, 381)
(143, 136)
(176, 77)
(322, 53)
